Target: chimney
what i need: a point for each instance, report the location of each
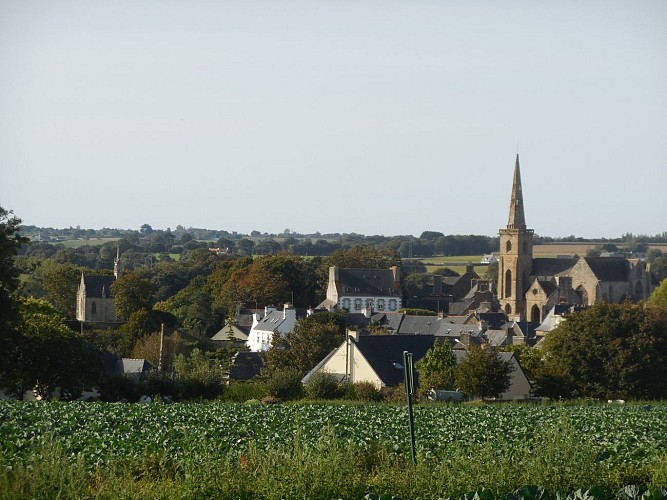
(333, 274)
(470, 269)
(354, 334)
(395, 272)
(367, 311)
(289, 311)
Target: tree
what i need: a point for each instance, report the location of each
(491, 272)
(48, 354)
(436, 368)
(659, 296)
(481, 373)
(61, 283)
(10, 242)
(311, 340)
(363, 257)
(609, 351)
(131, 293)
(445, 271)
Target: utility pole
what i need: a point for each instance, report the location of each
(159, 363)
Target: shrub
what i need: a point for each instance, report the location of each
(118, 388)
(366, 391)
(322, 385)
(285, 384)
(241, 392)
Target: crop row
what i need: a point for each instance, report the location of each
(104, 431)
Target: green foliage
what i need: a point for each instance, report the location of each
(412, 311)
(10, 242)
(481, 373)
(48, 355)
(285, 384)
(60, 283)
(658, 297)
(286, 451)
(310, 341)
(242, 391)
(445, 271)
(609, 351)
(436, 368)
(362, 257)
(131, 293)
(491, 272)
(202, 375)
(322, 385)
(366, 391)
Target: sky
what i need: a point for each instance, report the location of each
(375, 117)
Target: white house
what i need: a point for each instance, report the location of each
(261, 333)
(354, 290)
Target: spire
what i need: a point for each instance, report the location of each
(517, 219)
(116, 263)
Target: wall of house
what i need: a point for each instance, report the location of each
(348, 361)
(376, 304)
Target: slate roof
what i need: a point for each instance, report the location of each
(245, 365)
(548, 286)
(129, 366)
(545, 266)
(377, 282)
(385, 353)
(95, 284)
(493, 319)
(608, 268)
(274, 319)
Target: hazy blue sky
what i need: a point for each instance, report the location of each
(376, 117)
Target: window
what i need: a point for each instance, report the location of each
(369, 303)
(508, 247)
(93, 309)
(392, 304)
(380, 304)
(346, 304)
(357, 303)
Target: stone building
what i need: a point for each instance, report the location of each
(529, 287)
(94, 301)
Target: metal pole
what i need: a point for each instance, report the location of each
(408, 370)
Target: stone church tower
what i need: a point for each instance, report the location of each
(516, 255)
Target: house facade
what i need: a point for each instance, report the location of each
(355, 290)
(529, 287)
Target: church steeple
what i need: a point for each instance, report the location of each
(515, 261)
(517, 219)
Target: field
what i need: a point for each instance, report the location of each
(327, 450)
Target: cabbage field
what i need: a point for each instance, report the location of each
(324, 451)
(102, 432)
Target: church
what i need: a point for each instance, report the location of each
(94, 300)
(529, 287)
